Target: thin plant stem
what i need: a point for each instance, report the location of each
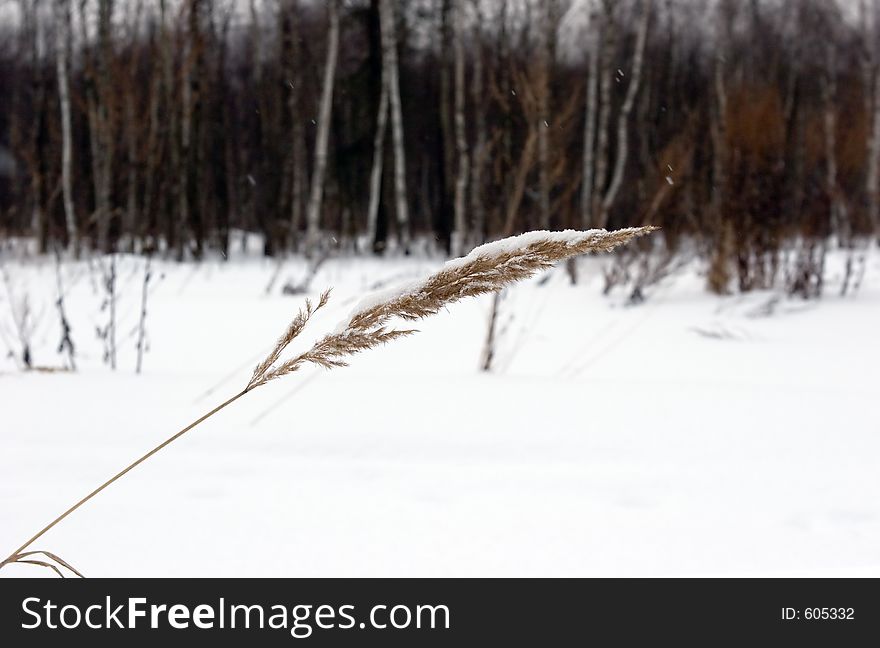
(17, 553)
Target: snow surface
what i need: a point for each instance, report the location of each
(690, 435)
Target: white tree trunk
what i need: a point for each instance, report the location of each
(316, 195)
(389, 58)
(460, 232)
(625, 110)
(62, 47)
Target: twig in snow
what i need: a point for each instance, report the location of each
(66, 342)
(142, 322)
(107, 333)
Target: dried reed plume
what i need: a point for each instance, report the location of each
(486, 269)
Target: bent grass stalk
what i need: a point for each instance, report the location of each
(487, 269)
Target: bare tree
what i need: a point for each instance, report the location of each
(191, 128)
(460, 231)
(170, 123)
(378, 161)
(62, 49)
(131, 225)
(623, 118)
(297, 157)
(481, 143)
(546, 26)
(171, 131)
(589, 169)
(445, 107)
(316, 196)
(829, 123)
(719, 133)
(607, 46)
(719, 274)
(390, 67)
(34, 151)
(103, 137)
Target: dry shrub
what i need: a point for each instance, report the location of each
(755, 121)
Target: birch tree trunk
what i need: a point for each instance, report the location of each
(389, 47)
(460, 231)
(623, 119)
(316, 195)
(62, 48)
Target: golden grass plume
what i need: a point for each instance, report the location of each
(486, 269)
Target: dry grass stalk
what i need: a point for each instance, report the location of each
(293, 330)
(486, 269)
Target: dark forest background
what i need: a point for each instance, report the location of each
(748, 129)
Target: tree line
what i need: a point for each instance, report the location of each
(748, 130)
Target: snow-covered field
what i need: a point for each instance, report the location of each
(690, 435)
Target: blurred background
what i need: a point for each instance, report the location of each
(739, 126)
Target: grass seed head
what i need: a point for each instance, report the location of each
(487, 269)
